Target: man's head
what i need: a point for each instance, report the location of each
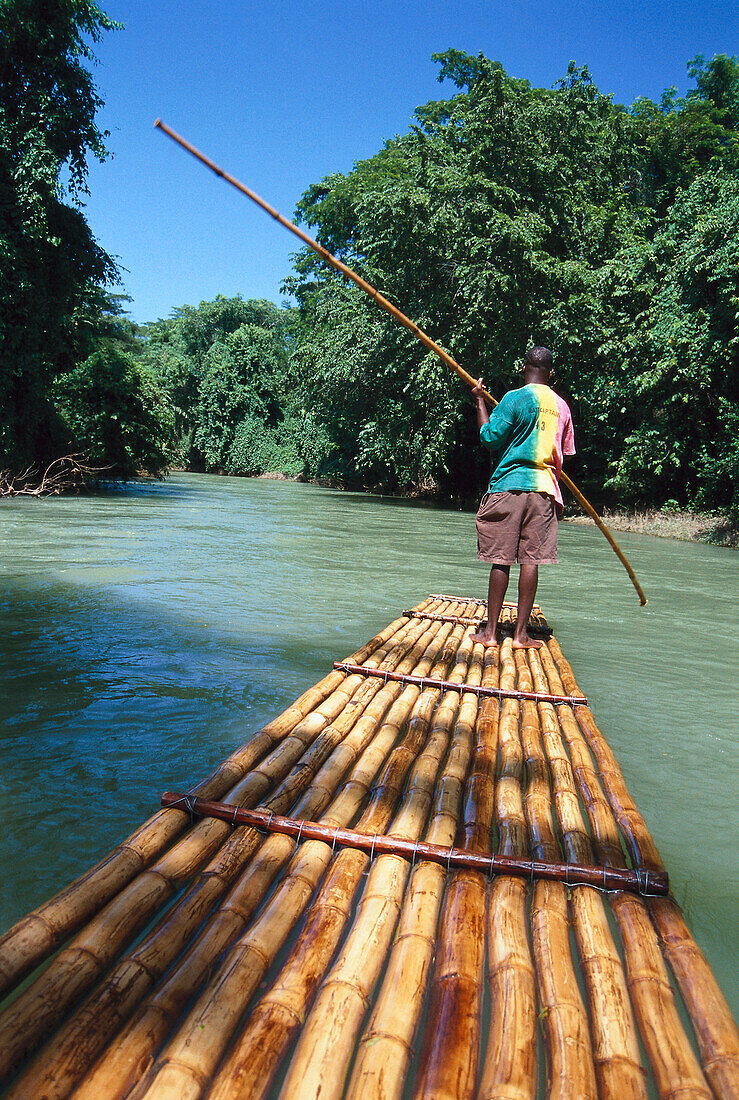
(537, 365)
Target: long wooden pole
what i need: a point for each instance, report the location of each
(607, 878)
(401, 317)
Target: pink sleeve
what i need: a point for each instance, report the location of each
(568, 435)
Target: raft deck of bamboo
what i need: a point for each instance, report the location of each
(202, 957)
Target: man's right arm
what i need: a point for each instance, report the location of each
(495, 429)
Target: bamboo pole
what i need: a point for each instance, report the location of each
(77, 967)
(510, 1066)
(619, 1072)
(190, 1057)
(569, 1058)
(327, 1039)
(449, 1056)
(119, 1070)
(675, 1067)
(712, 1019)
(673, 1062)
(381, 301)
(385, 1052)
(446, 685)
(24, 946)
(571, 873)
(642, 849)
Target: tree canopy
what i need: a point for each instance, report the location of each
(56, 340)
(507, 215)
(511, 215)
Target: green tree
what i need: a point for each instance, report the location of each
(50, 266)
(683, 445)
(224, 365)
(114, 412)
(509, 215)
(682, 137)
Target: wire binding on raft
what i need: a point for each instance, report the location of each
(613, 878)
(451, 685)
(533, 628)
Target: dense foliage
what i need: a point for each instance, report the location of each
(506, 215)
(224, 365)
(510, 215)
(69, 376)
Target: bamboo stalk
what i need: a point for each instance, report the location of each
(24, 946)
(478, 603)
(641, 846)
(510, 1066)
(81, 963)
(676, 1069)
(572, 873)
(452, 685)
(449, 1055)
(276, 1018)
(712, 1019)
(570, 1069)
(670, 1054)
(385, 1051)
(615, 1047)
(190, 1057)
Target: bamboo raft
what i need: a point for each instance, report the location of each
(402, 909)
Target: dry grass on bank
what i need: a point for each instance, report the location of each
(689, 526)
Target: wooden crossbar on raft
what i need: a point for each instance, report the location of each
(450, 685)
(535, 610)
(532, 627)
(647, 883)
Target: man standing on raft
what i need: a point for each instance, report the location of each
(531, 431)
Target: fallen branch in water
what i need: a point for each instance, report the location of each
(66, 474)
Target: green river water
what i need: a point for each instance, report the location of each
(146, 633)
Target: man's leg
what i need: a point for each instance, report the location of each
(527, 582)
(497, 586)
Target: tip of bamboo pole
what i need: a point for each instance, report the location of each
(158, 123)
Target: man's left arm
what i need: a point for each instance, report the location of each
(478, 392)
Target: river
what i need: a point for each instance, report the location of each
(145, 633)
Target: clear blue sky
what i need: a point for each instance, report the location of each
(282, 92)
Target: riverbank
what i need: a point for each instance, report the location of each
(688, 526)
(703, 527)
(662, 523)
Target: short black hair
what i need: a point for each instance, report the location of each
(541, 358)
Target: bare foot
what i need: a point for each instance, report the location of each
(489, 641)
(526, 643)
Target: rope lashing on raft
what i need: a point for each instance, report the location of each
(451, 685)
(645, 882)
(532, 627)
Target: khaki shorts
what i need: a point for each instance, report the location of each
(517, 526)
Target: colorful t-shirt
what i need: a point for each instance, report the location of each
(531, 429)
